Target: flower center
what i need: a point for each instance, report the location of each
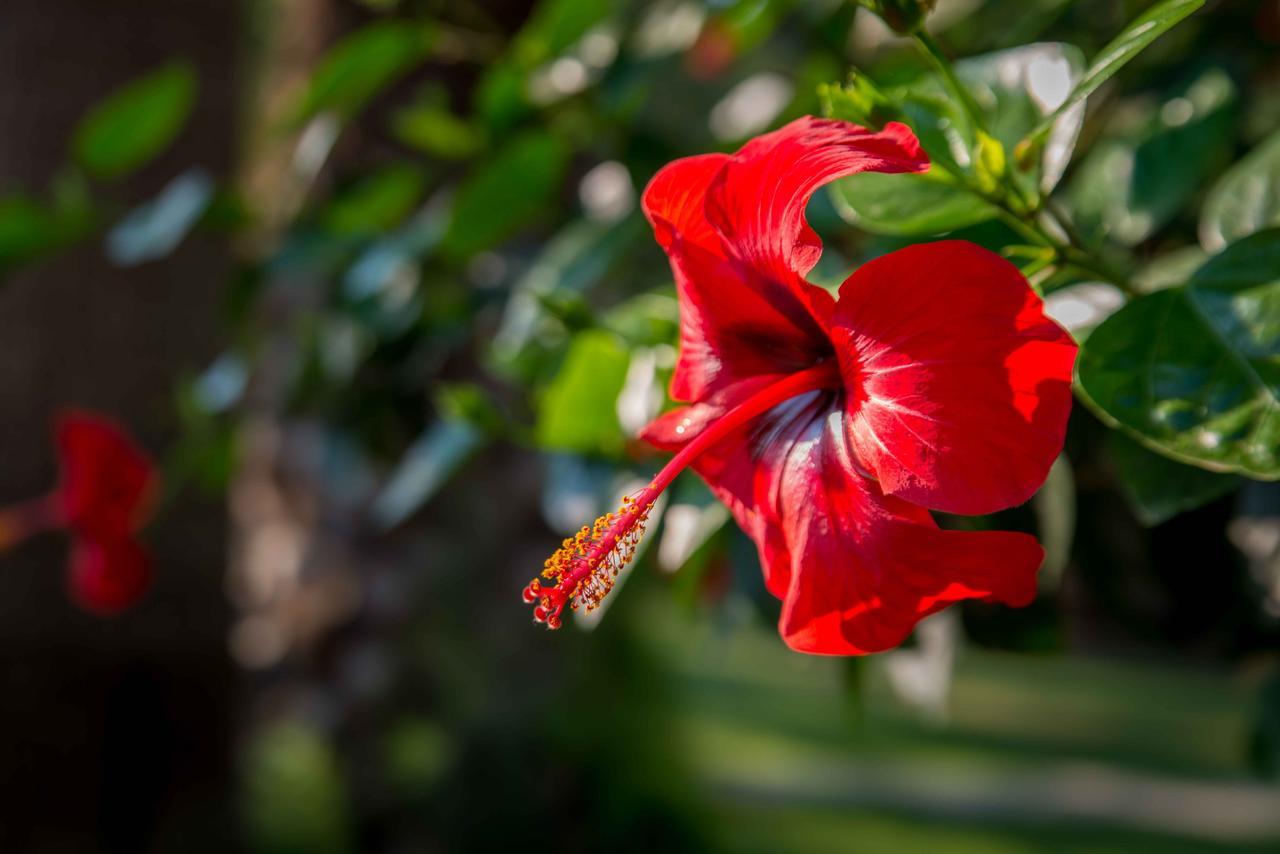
(582, 572)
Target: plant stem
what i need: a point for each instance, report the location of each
(933, 52)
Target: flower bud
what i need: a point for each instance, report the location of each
(903, 16)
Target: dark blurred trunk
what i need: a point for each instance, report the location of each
(114, 733)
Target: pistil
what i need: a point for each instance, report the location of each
(583, 571)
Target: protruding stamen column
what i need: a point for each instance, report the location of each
(583, 570)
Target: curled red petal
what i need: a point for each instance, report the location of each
(734, 323)
(757, 201)
(107, 483)
(108, 575)
(959, 385)
(739, 245)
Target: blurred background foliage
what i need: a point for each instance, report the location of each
(448, 321)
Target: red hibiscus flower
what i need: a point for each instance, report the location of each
(831, 426)
(103, 499)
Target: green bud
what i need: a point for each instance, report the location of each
(858, 101)
(902, 16)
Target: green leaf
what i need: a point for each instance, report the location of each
(989, 162)
(510, 190)
(377, 202)
(429, 127)
(907, 205)
(578, 410)
(1194, 371)
(1245, 199)
(554, 26)
(30, 230)
(1131, 185)
(1141, 32)
(1159, 488)
(135, 123)
(362, 65)
(1014, 89)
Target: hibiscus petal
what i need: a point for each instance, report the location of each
(107, 482)
(107, 576)
(733, 323)
(960, 386)
(757, 200)
(734, 229)
(866, 567)
(856, 569)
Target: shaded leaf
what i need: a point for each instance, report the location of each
(135, 123)
(1194, 371)
(362, 65)
(30, 230)
(1130, 186)
(1159, 488)
(1245, 199)
(508, 191)
(377, 202)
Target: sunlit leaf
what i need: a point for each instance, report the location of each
(1159, 488)
(1244, 200)
(1141, 32)
(135, 123)
(156, 228)
(362, 65)
(1194, 371)
(578, 410)
(1014, 89)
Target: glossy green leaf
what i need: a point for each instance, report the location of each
(135, 123)
(1132, 184)
(1159, 488)
(1140, 33)
(1014, 89)
(512, 188)
(578, 411)
(1244, 200)
(362, 65)
(1194, 371)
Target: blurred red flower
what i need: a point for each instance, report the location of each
(107, 482)
(830, 426)
(103, 498)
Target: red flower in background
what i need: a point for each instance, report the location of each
(103, 499)
(107, 483)
(830, 426)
